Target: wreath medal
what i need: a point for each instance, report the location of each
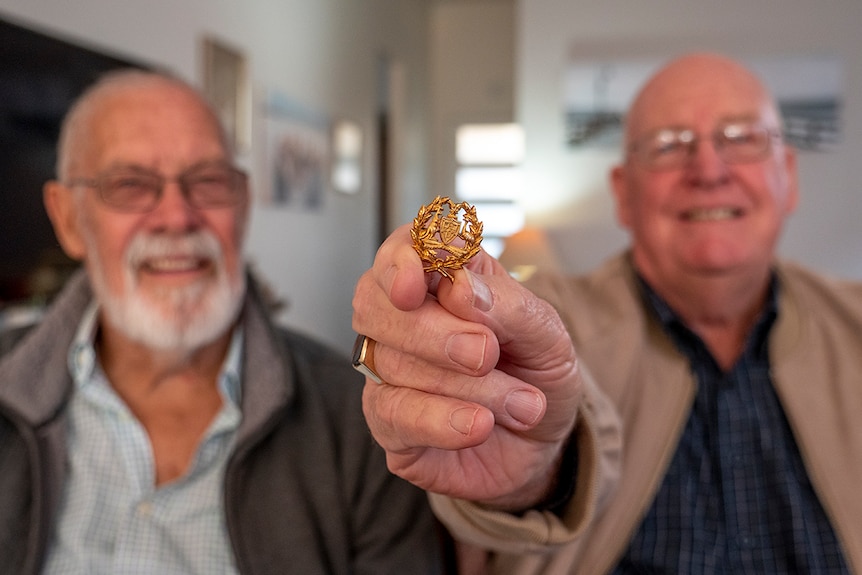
(442, 240)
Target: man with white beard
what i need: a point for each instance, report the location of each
(156, 421)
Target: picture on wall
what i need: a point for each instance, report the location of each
(596, 95)
(226, 84)
(808, 89)
(297, 155)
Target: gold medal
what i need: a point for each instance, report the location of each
(444, 241)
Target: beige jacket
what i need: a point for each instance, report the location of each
(816, 351)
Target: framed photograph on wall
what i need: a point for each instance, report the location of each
(226, 83)
(297, 156)
(808, 89)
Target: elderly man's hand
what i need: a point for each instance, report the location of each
(481, 379)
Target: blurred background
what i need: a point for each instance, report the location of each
(350, 114)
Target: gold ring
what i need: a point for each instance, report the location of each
(363, 357)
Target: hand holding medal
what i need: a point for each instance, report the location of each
(444, 243)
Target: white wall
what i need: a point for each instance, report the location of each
(471, 76)
(322, 54)
(566, 187)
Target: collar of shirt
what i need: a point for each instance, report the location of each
(690, 343)
(82, 359)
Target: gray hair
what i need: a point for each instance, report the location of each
(78, 119)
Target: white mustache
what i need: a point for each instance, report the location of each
(200, 245)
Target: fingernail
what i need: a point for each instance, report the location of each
(461, 420)
(524, 406)
(482, 298)
(389, 277)
(467, 349)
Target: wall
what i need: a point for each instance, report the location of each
(471, 73)
(565, 187)
(323, 54)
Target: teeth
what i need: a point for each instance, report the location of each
(711, 214)
(172, 264)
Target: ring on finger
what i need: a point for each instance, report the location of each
(363, 357)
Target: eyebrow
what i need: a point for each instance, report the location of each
(140, 168)
(724, 120)
(751, 118)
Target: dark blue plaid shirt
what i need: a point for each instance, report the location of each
(736, 498)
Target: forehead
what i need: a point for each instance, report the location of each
(700, 94)
(157, 125)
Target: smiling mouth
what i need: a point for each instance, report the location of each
(174, 264)
(711, 214)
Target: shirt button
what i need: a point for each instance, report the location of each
(746, 541)
(81, 359)
(145, 508)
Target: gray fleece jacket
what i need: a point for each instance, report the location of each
(306, 488)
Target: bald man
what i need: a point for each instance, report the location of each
(690, 407)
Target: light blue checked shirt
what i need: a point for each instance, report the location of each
(112, 519)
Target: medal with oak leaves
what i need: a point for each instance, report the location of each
(443, 240)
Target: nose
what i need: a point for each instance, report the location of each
(173, 211)
(705, 168)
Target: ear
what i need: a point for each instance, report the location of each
(792, 199)
(620, 188)
(245, 212)
(62, 209)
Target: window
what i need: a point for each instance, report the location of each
(489, 177)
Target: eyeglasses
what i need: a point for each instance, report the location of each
(213, 185)
(672, 148)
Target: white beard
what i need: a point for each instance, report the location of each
(177, 319)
